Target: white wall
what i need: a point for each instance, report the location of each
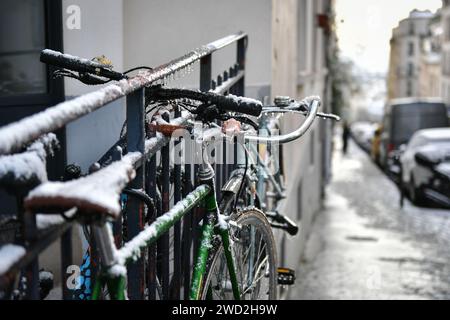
(101, 33)
(156, 31)
(296, 40)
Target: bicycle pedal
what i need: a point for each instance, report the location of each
(286, 276)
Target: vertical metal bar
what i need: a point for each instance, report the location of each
(32, 269)
(118, 224)
(240, 85)
(205, 73)
(164, 240)
(151, 268)
(151, 191)
(241, 49)
(176, 283)
(224, 164)
(135, 212)
(66, 261)
(187, 220)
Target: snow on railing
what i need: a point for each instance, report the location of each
(17, 134)
(10, 254)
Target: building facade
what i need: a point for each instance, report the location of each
(407, 56)
(430, 65)
(302, 41)
(445, 40)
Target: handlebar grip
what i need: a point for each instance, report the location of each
(237, 104)
(77, 64)
(225, 103)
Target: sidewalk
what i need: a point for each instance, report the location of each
(363, 246)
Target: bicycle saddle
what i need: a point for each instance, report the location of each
(95, 196)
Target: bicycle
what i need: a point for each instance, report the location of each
(218, 258)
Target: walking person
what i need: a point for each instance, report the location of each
(345, 137)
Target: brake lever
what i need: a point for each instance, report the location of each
(328, 116)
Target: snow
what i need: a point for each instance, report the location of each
(45, 221)
(222, 42)
(435, 151)
(117, 270)
(23, 167)
(152, 145)
(73, 59)
(421, 14)
(222, 222)
(14, 135)
(435, 134)
(101, 189)
(45, 275)
(244, 100)
(444, 168)
(9, 255)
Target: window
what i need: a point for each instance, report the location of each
(27, 27)
(410, 69)
(22, 37)
(447, 29)
(411, 49)
(446, 63)
(409, 89)
(412, 28)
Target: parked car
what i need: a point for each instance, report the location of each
(362, 132)
(425, 167)
(402, 118)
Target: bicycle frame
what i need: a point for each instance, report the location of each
(114, 260)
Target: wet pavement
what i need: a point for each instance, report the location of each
(364, 246)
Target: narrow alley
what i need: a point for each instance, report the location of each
(363, 246)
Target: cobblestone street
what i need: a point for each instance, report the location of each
(363, 246)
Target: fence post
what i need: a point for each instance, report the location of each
(175, 294)
(241, 50)
(66, 261)
(151, 191)
(164, 241)
(135, 210)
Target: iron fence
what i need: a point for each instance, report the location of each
(170, 260)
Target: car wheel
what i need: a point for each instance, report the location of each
(415, 193)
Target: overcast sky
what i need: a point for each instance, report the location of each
(367, 27)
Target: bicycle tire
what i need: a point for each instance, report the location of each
(216, 267)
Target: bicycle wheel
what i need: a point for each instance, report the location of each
(254, 252)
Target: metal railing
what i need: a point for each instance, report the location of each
(164, 258)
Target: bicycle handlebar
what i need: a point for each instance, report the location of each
(77, 64)
(313, 108)
(224, 103)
